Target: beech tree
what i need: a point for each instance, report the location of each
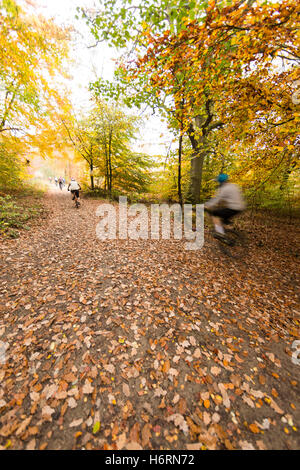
(32, 55)
(103, 138)
(211, 66)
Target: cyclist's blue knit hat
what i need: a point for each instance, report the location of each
(222, 178)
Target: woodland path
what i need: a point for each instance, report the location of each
(141, 344)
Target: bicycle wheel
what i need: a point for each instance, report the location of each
(234, 244)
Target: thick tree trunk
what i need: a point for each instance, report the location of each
(198, 156)
(196, 177)
(200, 149)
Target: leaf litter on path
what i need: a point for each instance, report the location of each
(167, 349)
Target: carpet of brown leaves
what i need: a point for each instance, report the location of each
(143, 345)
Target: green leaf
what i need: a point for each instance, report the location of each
(96, 427)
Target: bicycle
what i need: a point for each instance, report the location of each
(75, 198)
(233, 243)
(77, 203)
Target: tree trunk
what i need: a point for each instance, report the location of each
(196, 177)
(109, 162)
(106, 164)
(7, 108)
(179, 170)
(200, 148)
(198, 156)
(91, 175)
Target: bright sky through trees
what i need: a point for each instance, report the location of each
(92, 62)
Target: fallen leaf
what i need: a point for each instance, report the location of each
(133, 446)
(87, 388)
(196, 446)
(31, 445)
(179, 421)
(47, 411)
(96, 427)
(146, 434)
(254, 428)
(76, 422)
(206, 403)
(215, 371)
(126, 390)
(246, 445)
(72, 403)
(23, 426)
(121, 441)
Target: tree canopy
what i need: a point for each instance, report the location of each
(32, 93)
(216, 70)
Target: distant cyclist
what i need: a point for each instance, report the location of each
(60, 183)
(227, 203)
(74, 187)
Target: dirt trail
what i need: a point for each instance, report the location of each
(141, 344)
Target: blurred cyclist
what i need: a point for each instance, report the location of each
(227, 203)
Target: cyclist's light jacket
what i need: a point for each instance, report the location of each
(74, 186)
(228, 196)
